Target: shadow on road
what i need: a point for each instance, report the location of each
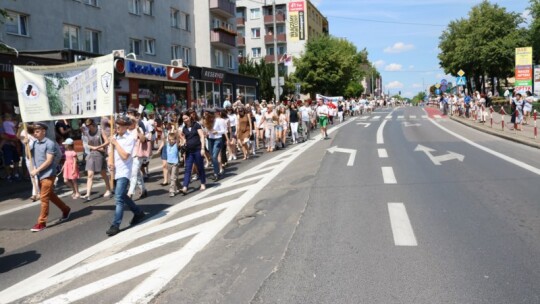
(10, 262)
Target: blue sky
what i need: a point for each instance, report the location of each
(405, 55)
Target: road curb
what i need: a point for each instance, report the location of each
(491, 131)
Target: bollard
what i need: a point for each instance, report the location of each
(502, 117)
(535, 129)
(491, 116)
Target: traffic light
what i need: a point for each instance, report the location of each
(400, 93)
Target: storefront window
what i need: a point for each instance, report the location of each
(208, 97)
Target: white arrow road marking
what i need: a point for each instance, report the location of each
(352, 153)
(366, 124)
(438, 159)
(408, 124)
(401, 225)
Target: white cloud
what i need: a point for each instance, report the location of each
(393, 67)
(394, 85)
(378, 63)
(399, 47)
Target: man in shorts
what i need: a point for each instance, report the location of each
(322, 113)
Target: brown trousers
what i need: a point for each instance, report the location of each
(46, 186)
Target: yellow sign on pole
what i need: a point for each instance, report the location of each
(524, 56)
(461, 73)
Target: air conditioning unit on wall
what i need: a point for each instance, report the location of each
(177, 63)
(119, 53)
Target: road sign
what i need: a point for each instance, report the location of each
(273, 81)
(444, 87)
(437, 91)
(444, 82)
(437, 85)
(460, 81)
(461, 73)
(280, 90)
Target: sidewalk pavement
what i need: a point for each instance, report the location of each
(22, 189)
(494, 127)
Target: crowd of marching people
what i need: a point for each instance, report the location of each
(196, 144)
(477, 106)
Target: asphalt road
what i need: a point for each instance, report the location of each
(448, 220)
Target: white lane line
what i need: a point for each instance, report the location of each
(401, 225)
(376, 117)
(388, 117)
(382, 153)
(488, 150)
(412, 116)
(388, 175)
(363, 117)
(401, 117)
(424, 116)
(380, 139)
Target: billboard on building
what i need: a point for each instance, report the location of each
(75, 90)
(297, 21)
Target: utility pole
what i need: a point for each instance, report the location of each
(276, 73)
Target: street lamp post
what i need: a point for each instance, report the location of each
(276, 73)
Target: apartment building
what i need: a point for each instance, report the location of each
(297, 22)
(149, 31)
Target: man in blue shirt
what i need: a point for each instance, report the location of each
(43, 152)
(467, 105)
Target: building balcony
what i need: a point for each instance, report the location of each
(224, 8)
(280, 18)
(223, 39)
(281, 38)
(240, 41)
(270, 58)
(240, 21)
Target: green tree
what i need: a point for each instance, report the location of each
(534, 29)
(330, 66)
(264, 72)
(483, 44)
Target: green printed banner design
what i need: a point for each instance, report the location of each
(70, 91)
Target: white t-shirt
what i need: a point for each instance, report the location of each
(123, 167)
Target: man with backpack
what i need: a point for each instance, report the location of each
(45, 153)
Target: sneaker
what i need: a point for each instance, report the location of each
(144, 194)
(194, 177)
(137, 218)
(65, 215)
(107, 193)
(171, 194)
(38, 227)
(112, 230)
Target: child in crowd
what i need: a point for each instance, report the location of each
(172, 162)
(71, 170)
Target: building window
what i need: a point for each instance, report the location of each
(71, 37)
(184, 21)
(255, 13)
(135, 46)
(150, 46)
(91, 2)
(174, 18)
(17, 24)
(256, 32)
(135, 7)
(92, 41)
(230, 61)
(219, 58)
(148, 7)
(256, 52)
(176, 52)
(187, 55)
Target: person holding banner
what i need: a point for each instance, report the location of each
(27, 139)
(120, 165)
(43, 151)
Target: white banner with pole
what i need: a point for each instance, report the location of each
(75, 90)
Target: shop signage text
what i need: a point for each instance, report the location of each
(212, 75)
